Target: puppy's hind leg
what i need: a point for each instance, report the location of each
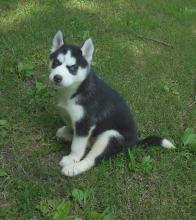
(98, 150)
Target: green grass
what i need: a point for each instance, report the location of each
(157, 81)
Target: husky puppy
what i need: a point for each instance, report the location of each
(92, 110)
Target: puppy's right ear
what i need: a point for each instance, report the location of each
(57, 41)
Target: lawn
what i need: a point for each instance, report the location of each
(145, 49)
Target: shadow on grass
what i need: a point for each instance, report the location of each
(30, 39)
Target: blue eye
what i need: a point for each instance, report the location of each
(73, 69)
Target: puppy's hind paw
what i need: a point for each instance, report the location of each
(64, 134)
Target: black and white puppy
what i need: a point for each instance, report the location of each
(93, 112)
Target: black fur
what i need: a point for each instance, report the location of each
(151, 140)
(105, 108)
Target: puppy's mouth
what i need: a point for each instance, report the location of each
(57, 83)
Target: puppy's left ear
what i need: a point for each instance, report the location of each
(57, 41)
(87, 50)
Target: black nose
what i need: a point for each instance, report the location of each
(58, 78)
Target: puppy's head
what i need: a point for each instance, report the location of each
(69, 64)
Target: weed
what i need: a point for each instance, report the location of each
(80, 195)
(166, 88)
(3, 130)
(132, 161)
(40, 87)
(3, 172)
(146, 165)
(62, 211)
(25, 70)
(189, 138)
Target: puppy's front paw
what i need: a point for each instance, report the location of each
(68, 160)
(71, 170)
(77, 168)
(68, 170)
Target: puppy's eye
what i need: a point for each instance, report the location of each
(72, 69)
(56, 63)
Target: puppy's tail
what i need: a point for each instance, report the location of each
(157, 141)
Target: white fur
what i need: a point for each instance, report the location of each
(87, 50)
(74, 110)
(64, 134)
(78, 148)
(69, 59)
(61, 57)
(66, 105)
(62, 70)
(57, 41)
(89, 161)
(167, 144)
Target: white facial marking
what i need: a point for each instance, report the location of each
(69, 60)
(62, 70)
(61, 57)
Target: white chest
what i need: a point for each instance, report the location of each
(70, 107)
